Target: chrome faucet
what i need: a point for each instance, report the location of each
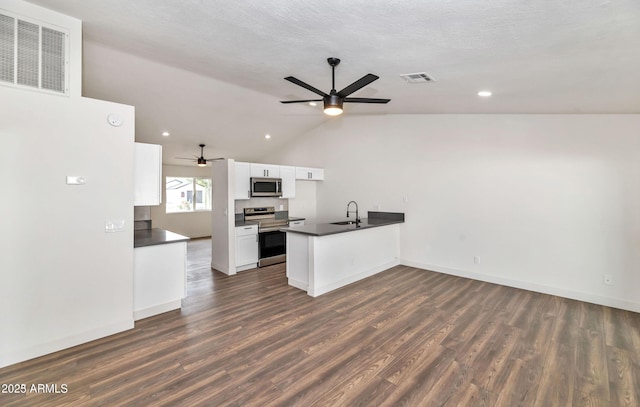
(348, 211)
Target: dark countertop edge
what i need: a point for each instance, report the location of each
(240, 223)
(399, 216)
(326, 229)
(156, 236)
(293, 219)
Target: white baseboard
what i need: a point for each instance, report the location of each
(298, 284)
(540, 288)
(223, 269)
(316, 291)
(247, 267)
(22, 355)
(156, 309)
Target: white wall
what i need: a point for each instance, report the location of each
(192, 224)
(548, 202)
(64, 281)
(304, 203)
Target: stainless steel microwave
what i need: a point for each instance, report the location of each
(266, 187)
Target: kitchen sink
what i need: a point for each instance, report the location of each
(345, 222)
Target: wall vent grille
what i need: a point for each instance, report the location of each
(419, 77)
(33, 55)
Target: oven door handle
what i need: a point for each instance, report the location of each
(273, 229)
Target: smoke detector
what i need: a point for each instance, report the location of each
(419, 77)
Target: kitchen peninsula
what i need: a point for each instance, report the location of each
(159, 272)
(325, 256)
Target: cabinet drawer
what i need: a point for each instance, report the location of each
(246, 230)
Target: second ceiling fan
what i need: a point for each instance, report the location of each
(333, 100)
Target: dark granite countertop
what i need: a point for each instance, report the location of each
(152, 237)
(375, 219)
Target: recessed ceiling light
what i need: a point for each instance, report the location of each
(484, 93)
(267, 136)
(313, 104)
(165, 133)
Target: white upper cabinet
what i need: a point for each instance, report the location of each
(243, 180)
(313, 174)
(265, 171)
(288, 175)
(147, 174)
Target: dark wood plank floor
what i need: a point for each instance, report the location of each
(406, 337)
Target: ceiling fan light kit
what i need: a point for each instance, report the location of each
(334, 100)
(332, 105)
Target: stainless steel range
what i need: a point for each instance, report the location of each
(272, 246)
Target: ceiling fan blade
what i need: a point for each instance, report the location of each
(366, 100)
(360, 83)
(305, 85)
(183, 158)
(214, 159)
(301, 101)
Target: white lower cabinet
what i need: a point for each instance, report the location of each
(159, 278)
(246, 247)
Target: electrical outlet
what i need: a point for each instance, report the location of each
(476, 259)
(607, 279)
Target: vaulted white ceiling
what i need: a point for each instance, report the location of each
(212, 71)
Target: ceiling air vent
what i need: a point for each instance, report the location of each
(33, 55)
(420, 77)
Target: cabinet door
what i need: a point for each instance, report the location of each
(147, 174)
(310, 174)
(158, 278)
(243, 181)
(296, 223)
(246, 250)
(317, 174)
(265, 171)
(288, 175)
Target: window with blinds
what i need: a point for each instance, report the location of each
(33, 55)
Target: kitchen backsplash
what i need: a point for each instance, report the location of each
(278, 203)
(141, 213)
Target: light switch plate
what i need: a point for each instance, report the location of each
(116, 225)
(75, 180)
